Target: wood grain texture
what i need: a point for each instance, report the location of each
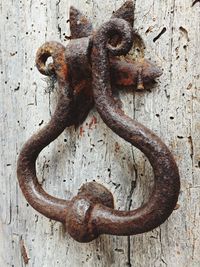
(93, 152)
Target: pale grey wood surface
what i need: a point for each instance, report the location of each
(171, 109)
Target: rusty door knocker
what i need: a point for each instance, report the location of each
(88, 71)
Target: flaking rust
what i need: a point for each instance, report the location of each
(125, 72)
(88, 71)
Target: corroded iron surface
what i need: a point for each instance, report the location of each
(167, 185)
(88, 71)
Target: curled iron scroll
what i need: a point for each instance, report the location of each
(84, 73)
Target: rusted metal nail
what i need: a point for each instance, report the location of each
(124, 73)
(87, 71)
(140, 84)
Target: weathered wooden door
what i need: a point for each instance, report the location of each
(171, 31)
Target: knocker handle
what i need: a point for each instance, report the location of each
(84, 71)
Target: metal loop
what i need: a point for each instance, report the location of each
(91, 212)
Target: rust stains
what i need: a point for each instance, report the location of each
(92, 123)
(24, 252)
